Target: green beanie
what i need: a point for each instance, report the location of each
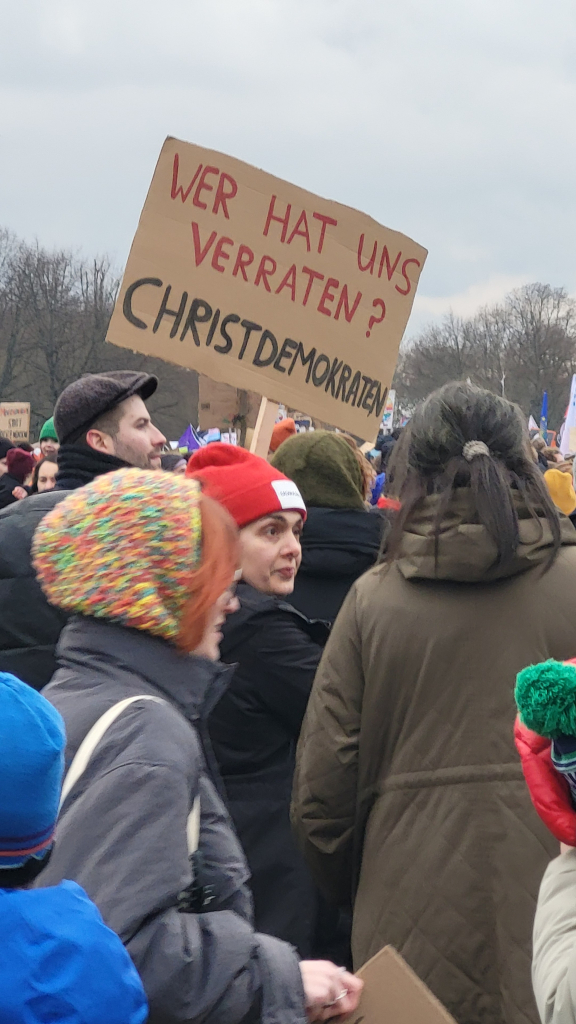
(546, 698)
(324, 468)
(48, 430)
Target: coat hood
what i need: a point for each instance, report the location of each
(466, 553)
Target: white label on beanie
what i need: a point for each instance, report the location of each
(288, 494)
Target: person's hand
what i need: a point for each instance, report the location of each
(330, 991)
(19, 492)
(549, 789)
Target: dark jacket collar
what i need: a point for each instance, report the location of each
(251, 615)
(340, 541)
(78, 464)
(194, 684)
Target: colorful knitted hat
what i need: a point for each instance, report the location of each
(123, 548)
(32, 742)
(248, 486)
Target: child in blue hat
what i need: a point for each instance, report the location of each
(59, 960)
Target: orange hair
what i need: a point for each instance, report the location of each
(219, 561)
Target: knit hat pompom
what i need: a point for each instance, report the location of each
(123, 548)
(324, 467)
(546, 698)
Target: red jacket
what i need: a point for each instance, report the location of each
(549, 789)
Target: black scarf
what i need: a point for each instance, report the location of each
(79, 464)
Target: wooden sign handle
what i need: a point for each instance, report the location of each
(262, 435)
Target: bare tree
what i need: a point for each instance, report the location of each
(521, 347)
(54, 313)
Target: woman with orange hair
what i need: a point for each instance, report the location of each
(146, 564)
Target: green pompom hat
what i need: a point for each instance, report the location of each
(546, 698)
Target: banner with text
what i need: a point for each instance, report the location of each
(262, 285)
(15, 420)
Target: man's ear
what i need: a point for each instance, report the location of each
(100, 441)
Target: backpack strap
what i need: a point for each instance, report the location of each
(88, 746)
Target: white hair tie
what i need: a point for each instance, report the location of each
(473, 448)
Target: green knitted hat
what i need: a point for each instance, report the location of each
(546, 698)
(323, 467)
(48, 430)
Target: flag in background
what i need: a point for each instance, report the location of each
(568, 439)
(544, 415)
(190, 440)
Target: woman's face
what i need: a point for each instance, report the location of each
(209, 646)
(270, 552)
(47, 476)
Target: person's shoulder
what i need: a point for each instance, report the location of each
(253, 604)
(563, 564)
(264, 616)
(93, 969)
(31, 509)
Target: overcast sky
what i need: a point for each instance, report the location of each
(452, 121)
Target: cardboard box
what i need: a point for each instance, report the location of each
(393, 994)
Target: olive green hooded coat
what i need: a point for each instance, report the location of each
(409, 798)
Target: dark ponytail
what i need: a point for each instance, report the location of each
(436, 455)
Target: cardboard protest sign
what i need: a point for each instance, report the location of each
(393, 994)
(262, 285)
(15, 420)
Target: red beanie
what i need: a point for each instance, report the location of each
(19, 463)
(281, 432)
(248, 486)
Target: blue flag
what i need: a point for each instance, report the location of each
(544, 416)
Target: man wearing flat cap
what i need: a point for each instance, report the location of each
(102, 424)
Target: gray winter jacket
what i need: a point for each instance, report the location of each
(122, 832)
(554, 963)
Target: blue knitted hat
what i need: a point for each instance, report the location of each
(32, 742)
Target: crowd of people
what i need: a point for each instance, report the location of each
(275, 731)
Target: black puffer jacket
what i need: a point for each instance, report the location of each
(338, 545)
(254, 730)
(29, 626)
(122, 832)
(7, 485)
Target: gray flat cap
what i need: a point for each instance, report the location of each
(83, 401)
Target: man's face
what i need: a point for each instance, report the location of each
(49, 447)
(137, 442)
